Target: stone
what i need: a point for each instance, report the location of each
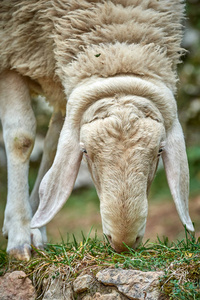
(83, 283)
(113, 296)
(16, 286)
(134, 284)
(87, 297)
(58, 290)
(99, 296)
(68, 292)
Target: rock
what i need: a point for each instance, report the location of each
(132, 283)
(109, 284)
(83, 283)
(98, 296)
(87, 297)
(16, 286)
(113, 296)
(58, 290)
(68, 292)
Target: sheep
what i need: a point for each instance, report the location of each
(108, 68)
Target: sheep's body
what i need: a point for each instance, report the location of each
(89, 51)
(59, 41)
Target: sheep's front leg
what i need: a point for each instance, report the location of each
(19, 125)
(49, 151)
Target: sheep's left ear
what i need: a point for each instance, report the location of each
(58, 183)
(176, 168)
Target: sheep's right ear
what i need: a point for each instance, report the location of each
(58, 182)
(176, 168)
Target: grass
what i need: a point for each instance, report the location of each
(179, 260)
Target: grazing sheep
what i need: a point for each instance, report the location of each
(115, 61)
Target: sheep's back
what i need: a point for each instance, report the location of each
(68, 41)
(108, 38)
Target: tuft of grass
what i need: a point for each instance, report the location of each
(3, 262)
(179, 260)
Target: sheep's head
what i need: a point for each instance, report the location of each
(122, 152)
(122, 142)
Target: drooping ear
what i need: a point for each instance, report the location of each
(177, 172)
(58, 183)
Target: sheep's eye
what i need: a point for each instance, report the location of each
(82, 148)
(160, 151)
(84, 151)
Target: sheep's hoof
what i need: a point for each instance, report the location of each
(21, 253)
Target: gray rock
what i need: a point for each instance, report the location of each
(16, 286)
(132, 283)
(99, 296)
(58, 290)
(83, 283)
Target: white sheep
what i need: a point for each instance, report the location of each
(115, 61)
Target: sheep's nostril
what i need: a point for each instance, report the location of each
(137, 239)
(137, 242)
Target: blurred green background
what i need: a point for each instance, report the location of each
(81, 212)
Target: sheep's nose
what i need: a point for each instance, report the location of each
(117, 246)
(120, 247)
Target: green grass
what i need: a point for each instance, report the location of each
(179, 260)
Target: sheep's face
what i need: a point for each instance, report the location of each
(122, 155)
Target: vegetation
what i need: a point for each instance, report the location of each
(179, 260)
